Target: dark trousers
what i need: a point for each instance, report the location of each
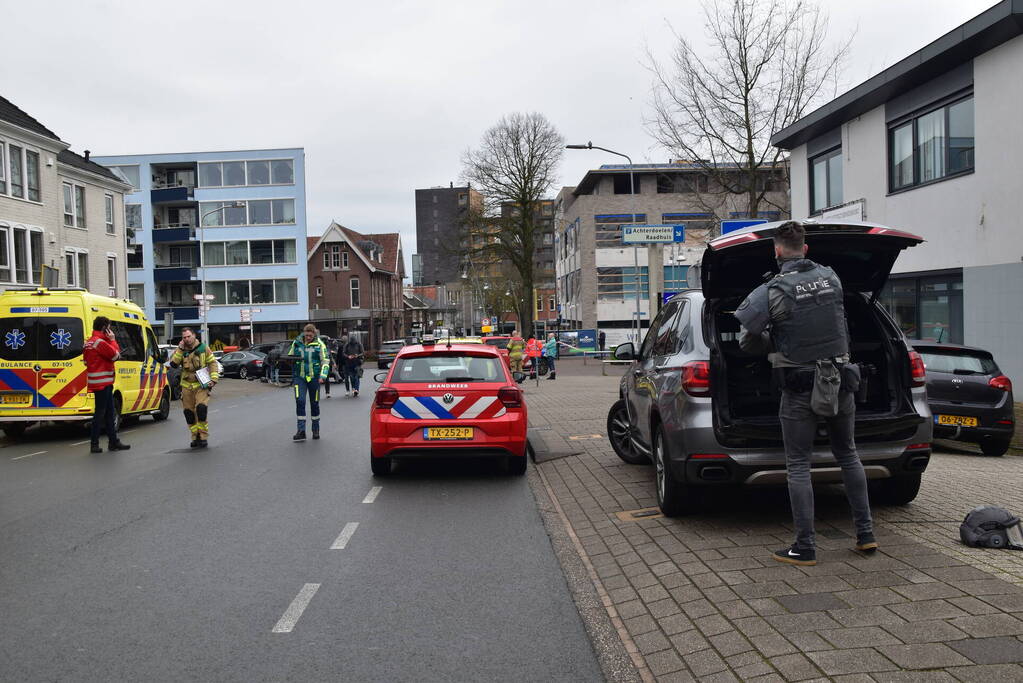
(307, 387)
(104, 415)
(352, 376)
(799, 426)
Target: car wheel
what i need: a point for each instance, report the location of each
(381, 466)
(899, 490)
(243, 372)
(163, 412)
(995, 449)
(619, 433)
(673, 497)
(15, 429)
(517, 465)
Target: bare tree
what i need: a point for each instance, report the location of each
(513, 168)
(770, 62)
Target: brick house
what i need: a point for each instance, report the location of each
(355, 284)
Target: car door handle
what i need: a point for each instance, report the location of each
(49, 375)
(662, 368)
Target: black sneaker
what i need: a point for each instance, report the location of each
(793, 555)
(866, 543)
(118, 446)
(299, 436)
(95, 448)
(316, 435)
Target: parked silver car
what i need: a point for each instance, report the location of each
(706, 413)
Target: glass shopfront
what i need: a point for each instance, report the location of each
(927, 306)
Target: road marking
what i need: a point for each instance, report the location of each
(29, 455)
(215, 410)
(372, 495)
(346, 535)
(80, 443)
(234, 406)
(295, 609)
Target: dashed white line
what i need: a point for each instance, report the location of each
(29, 455)
(295, 609)
(346, 535)
(372, 495)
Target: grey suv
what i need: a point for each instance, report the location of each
(706, 413)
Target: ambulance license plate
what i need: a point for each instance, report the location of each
(449, 433)
(16, 399)
(956, 420)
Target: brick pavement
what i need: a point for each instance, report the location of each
(699, 598)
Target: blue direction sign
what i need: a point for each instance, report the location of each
(652, 234)
(738, 224)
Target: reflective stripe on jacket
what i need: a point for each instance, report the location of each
(314, 361)
(191, 361)
(99, 353)
(533, 348)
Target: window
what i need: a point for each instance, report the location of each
(180, 257)
(354, 286)
(929, 307)
(32, 174)
(238, 291)
(133, 216)
(79, 206)
(129, 338)
(932, 145)
(286, 291)
(619, 284)
(112, 274)
(234, 173)
(17, 174)
(213, 254)
(69, 205)
(344, 260)
(608, 231)
(826, 180)
(253, 252)
(210, 175)
(284, 251)
(241, 173)
(282, 172)
(261, 251)
(259, 212)
(262, 291)
(319, 291)
(76, 263)
(3, 165)
(623, 183)
(49, 338)
(332, 257)
(550, 304)
(256, 212)
(283, 211)
(134, 256)
(539, 304)
(129, 174)
(258, 172)
(108, 207)
(69, 268)
(137, 294)
(82, 273)
(237, 253)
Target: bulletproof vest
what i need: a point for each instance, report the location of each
(815, 327)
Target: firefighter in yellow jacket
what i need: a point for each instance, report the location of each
(198, 376)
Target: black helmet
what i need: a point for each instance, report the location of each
(988, 526)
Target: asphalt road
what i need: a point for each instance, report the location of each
(262, 559)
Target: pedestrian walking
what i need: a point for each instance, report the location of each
(798, 318)
(516, 349)
(550, 352)
(309, 372)
(352, 355)
(101, 351)
(273, 359)
(601, 338)
(533, 350)
(198, 377)
(331, 344)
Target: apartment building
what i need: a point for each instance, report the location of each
(927, 146)
(58, 209)
(440, 213)
(355, 284)
(228, 224)
(599, 279)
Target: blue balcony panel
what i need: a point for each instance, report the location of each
(170, 194)
(174, 274)
(173, 235)
(180, 312)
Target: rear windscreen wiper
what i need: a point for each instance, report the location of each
(460, 379)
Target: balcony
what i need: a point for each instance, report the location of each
(182, 312)
(174, 274)
(174, 232)
(179, 193)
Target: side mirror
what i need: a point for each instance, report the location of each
(380, 377)
(519, 377)
(624, 351)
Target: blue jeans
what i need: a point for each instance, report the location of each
(798, 428)
(550, 363)
(104, 415)
(352, 373)
(310, 387)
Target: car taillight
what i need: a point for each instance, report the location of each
(259, 362)
(1001, 382)
(511, 397)
(696, 378)
(918, 447)
(917, 371)
(386, 398)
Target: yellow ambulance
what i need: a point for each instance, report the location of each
(42, 371)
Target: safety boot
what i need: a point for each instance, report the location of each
(299, 435)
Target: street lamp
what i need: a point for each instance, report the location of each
(202, 266)
(635, 248)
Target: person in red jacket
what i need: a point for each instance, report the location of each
(533, 347)
(100, 351)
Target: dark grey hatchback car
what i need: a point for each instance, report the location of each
(706, 413)
(970, 398)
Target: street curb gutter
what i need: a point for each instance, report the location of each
(616, 651)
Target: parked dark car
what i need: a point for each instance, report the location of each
(387, 351)
(970, 398)
(706, 413)
(243, 364)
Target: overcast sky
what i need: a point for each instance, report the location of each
(384, 96)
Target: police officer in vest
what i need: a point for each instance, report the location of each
(798, 319)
